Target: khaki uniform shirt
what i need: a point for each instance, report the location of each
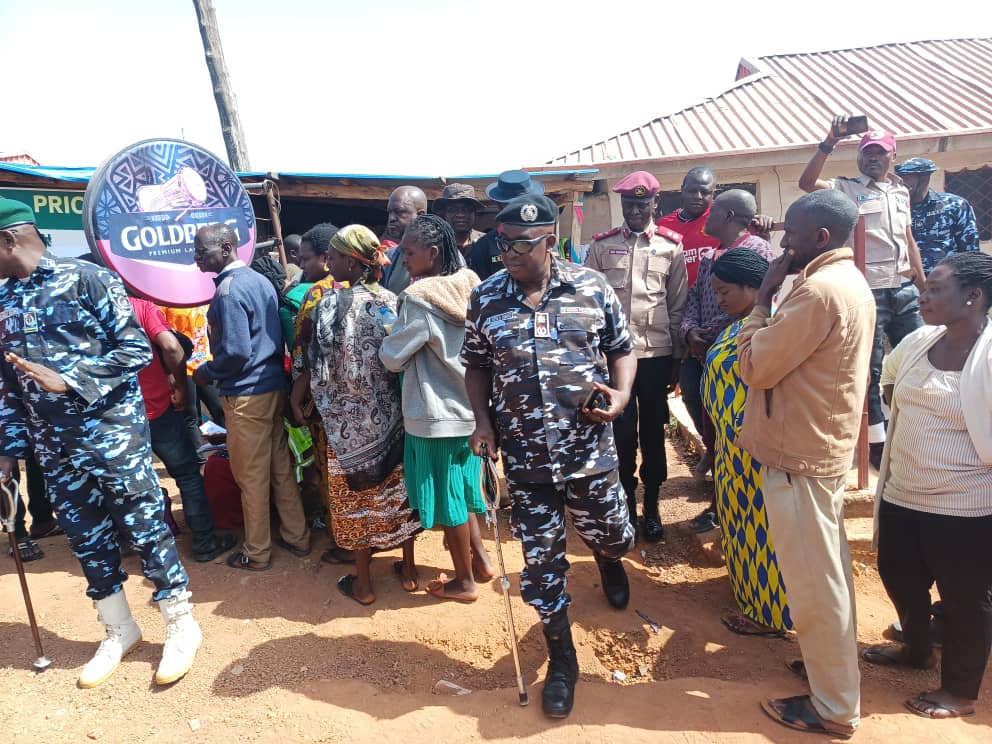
(647, 271)
(886, 209)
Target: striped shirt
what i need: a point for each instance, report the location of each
(933, 465)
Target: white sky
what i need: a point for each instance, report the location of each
(435, 87)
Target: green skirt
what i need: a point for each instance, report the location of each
(442, 480)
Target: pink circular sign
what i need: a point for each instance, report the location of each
(143, 208)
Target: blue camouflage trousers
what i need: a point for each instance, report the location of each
(599, 514)
(93, 508)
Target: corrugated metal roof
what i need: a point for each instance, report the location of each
(922, 88)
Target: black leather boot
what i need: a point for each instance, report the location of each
(558, 694)
(613, 577)
(653, 531)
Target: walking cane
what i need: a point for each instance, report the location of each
(491, 493)
(9, 495)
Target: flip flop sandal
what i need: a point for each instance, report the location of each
(798, 713)
(745, 627)
(243, 562)
(293, 549)
(346, 585)
(923, 706)
(436, 589)
(52, 529)
(398, 570)
(875, 655)
(333, 557)
(797, 667)
(704, 522)
(28, 550)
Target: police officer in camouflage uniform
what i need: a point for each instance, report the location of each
(69, 389)
(540, 338)
(942, 223)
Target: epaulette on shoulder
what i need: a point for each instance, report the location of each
(665, 232)
(607, 234)
(848, 178)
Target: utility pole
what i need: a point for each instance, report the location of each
(227, 107)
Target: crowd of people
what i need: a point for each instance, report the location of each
(373, 373)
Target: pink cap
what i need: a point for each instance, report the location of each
(885, 140)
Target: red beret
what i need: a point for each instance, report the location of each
(639, 184)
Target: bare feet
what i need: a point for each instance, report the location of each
(408, 577)
(458, 591)
(941, 704)
(482, 567)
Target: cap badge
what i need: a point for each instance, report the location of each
(528, 212)
(876, 135)
(640, 191)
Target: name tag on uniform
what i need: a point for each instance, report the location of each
(542, 325)
(572, 310)
(618, 251)
(30, 321)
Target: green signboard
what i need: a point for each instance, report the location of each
(59, 216)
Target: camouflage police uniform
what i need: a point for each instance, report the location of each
(92, 441)
(943, 224)
(543, 363)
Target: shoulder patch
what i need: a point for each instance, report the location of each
(224, 288)
(607, 234)
(665, 232)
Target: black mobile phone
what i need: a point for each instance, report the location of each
(595, 399)
(854, 125)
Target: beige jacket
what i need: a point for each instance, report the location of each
(807, 370)
(648, 272)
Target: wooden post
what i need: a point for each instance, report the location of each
(227, 107)
(270, 197)
(861, 456)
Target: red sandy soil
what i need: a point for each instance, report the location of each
(288, 659)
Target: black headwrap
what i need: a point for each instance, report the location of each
(741, 266)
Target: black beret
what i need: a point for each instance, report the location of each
(528, 210)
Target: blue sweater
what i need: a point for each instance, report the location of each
(245, 335)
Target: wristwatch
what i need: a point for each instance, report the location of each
(825, 148)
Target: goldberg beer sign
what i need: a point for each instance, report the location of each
(143, 207)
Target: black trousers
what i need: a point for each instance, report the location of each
(644, 419)
(915, 549)
(38, 506)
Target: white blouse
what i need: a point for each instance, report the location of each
(933, 464)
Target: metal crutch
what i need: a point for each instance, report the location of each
(491, 494)
(9, 496)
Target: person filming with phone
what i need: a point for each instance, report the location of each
(892, 259)
(543, 340)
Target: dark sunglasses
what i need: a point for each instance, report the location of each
(521, 246)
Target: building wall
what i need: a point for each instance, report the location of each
(777, 176)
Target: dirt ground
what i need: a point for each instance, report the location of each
(288, 659)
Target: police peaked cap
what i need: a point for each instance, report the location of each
(916, 165)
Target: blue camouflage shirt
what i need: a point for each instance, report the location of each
(544, 362)
(943, 224)
(74, 318)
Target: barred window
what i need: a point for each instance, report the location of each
(976, 187)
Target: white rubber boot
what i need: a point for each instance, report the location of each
(182, 639)
(123, 636)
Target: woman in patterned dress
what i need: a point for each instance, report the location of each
(359, 402)
(754, 575)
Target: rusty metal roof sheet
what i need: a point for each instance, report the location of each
(923, 88)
